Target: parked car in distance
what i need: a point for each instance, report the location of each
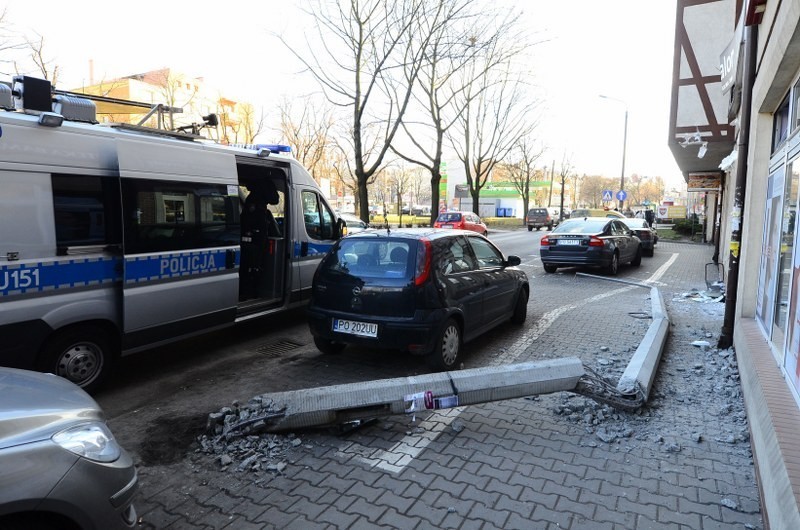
(594, 212)
(461, 221)
(422, 290)
(353, 223)
(592, 242)
(646, 233)
(538, 218)
(555, 214)
(61, 466)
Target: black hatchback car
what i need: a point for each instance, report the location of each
(591, 241)
(423, 290)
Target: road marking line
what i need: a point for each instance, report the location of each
(396, 458)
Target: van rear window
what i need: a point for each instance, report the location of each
(371, 258)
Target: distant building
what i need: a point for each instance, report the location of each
(174, 89)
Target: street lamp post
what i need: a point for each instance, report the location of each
(624, 147)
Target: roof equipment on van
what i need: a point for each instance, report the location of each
(208, 121)
(6, 98)
(35, 96)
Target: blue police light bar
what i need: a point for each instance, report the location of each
(275, 148)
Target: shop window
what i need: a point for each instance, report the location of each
(796, 105)
(780, 125)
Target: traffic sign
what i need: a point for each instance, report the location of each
(607, 197)
(622, 195)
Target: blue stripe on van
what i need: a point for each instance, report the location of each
(52, 275)
(313, 248)
(140, 269)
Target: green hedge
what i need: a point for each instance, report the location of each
(688, 226)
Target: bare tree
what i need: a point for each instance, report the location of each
(253, 121)
(367, 62)
(565, 172)
(592, 187)
(522, 173)
(10, 41)
(44, 67)
(449, 50)
(308, 131)
(493, 118)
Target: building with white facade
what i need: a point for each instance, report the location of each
(735, 133)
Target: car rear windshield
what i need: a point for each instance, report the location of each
(449, 217)
(372, 258)
(580, 226)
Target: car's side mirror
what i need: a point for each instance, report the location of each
(513, 261)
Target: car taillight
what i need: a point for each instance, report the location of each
(545, 241)
(423, 269)
(595, 241)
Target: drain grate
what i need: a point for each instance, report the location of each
(278, 348)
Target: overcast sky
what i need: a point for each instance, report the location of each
(621, 49)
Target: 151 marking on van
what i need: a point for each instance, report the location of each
(19, 279)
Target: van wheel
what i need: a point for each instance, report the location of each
(521, 309)
(613, 267)
(445, 354)
(328, 346)
(550, 269)
(530, 228)
(82, 355)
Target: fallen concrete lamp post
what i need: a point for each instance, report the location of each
(339, 404)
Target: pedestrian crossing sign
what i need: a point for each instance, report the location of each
(607, 195)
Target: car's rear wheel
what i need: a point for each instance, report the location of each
(530, 228)
(637, 261)
(445, 353)
(538, 228)
(82, 354)
(521, 309)
(649, 252)
(550, 269)
(613, 267)
(328, 346)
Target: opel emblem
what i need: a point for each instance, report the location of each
(356, 290)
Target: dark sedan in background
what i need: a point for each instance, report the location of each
(423, 290)
(646, 233)
(592, 242)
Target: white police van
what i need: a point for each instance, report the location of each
(115, 238)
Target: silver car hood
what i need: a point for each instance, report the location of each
(34, 406)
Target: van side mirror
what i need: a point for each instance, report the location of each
(340, 224)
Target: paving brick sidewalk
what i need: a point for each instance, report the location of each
(555, 461)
